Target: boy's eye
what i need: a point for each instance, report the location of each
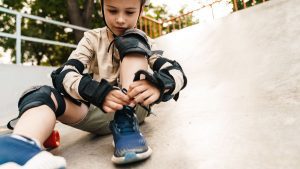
(129, 13)
(112, 11)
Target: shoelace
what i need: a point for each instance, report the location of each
(125, 121)
(146, 108)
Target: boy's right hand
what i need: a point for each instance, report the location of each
(115, 100)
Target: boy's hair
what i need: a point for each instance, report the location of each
(143, 2)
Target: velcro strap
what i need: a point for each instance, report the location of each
(57, 80)
(174, 65)
(76, 63)
(159, 63)
(161, 80)
(61, 108)
(93, 91)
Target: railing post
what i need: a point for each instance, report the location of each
(212, 11)
(160, 29)
(235, 7)
(245, 6)
(18, 38)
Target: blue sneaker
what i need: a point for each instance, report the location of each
(20, 151)
(130, 144)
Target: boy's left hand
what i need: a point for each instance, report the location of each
(143, 92)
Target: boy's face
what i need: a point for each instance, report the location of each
(121, 14)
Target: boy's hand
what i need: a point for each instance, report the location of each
(143, 92)
(115, 100)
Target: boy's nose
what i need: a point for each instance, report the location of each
(120, 19)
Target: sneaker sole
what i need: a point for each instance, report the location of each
(131, 157)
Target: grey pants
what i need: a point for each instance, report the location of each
(97, 122)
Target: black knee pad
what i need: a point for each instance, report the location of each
(41, 95)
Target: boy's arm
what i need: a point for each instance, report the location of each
(70, 80)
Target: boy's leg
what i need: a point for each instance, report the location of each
(34, 126)
(129, 66)
(130, 144)
(38, 122)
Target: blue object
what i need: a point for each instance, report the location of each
(130, 144)
(17, 149)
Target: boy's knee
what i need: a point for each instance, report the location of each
(42, 95)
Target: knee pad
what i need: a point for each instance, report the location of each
(41, 95)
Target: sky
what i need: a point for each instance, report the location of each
(219, 9)
(175, 5)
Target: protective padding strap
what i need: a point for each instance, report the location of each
(77, 64)
(41, 95)
(57, 80)
(93, 91)
(161, 80)
(37, 96)
(175, 65)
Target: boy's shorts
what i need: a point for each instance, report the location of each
(97, 122)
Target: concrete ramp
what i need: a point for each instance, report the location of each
(240, 109)
(14, 81)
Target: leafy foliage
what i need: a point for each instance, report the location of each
(43, 54)
(240, 4)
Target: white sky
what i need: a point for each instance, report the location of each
(219, 9)
(175, 5)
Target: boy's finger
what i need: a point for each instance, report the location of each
(143, 96)
(136, 91)
(119, 101)
(135, 84)
(149, 100)
(107, 109)
(121, 96)
(114, 106)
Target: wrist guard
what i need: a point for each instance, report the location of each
(93, 91)
(162, 80)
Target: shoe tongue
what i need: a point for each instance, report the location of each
(125, 120)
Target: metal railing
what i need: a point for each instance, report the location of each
(244, 3)
(19, 37)
(155, 28)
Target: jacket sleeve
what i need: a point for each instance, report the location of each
(83, 55)
(70, 80)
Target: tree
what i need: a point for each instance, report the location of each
(83, 13)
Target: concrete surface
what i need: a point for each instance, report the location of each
(240, 109)
(15, 80)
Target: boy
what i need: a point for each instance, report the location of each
(103, 87)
